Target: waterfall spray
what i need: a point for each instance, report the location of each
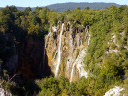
(44, 50)
(59, 52)
(69, 60)
(73, 68)
(80, 58)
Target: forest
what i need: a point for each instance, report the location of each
(106, 60)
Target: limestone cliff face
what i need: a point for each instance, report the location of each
(62, 52)
(74, 42)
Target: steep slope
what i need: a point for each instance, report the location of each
(66, 52)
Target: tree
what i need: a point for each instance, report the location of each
(87, 8)
(27, 10)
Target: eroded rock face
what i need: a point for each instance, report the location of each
(31, 64)
(73, 41)
(37, 58)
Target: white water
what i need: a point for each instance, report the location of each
(54, 55)
(81, 41)
(79, 61)
(88, 36)
(47, 38)
(59, 52)
(73, 68)
(54, 29)
(44, 50)
(80, 64)
(69, 60)
(88, 39)
(78, 39)
(114, 92)
(71, 42)
(87, 33)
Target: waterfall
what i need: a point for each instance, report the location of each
(54, 55)
(81, 41)
(59, 52)
(44, 50)
(73, 68)
(80, 58)
(71, 42)
(69, 60)
(47, 38)
(80, 64)
(79, 61)
(78, 39)
(88, 35)
(88, 38)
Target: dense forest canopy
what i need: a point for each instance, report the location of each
(106, 69)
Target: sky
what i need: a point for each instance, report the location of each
(39, 3)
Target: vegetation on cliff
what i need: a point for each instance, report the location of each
(106, 59)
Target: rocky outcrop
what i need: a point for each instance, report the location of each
(56, 54)
(114, 91)
(73, 42)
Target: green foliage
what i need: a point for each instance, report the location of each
(55, 87)
(104, 66)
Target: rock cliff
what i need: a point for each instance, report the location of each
(67, 46)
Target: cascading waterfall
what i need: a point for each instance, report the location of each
(80, 58)
(88, 35)
(88, 38)
(73, 68)
(80, 64)
(44, 50)
(69, 60)
(71, 43)
(59, 52)
(78, 39)
(54, 55)
(81, 41)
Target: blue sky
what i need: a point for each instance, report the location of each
(35, 3)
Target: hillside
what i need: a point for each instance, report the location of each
(61, 7)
